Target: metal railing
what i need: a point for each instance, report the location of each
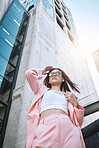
(91, 134)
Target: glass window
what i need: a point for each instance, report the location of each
(1, 78)
(50, 1)
(30, 3)
(10, 27)
(18, 7)
(4, 95)
(13, 19)
(3, 65)
(12, 36)
(23, 2)
(5, 49)
(9, 72)
(16, 13)
(72, 21)
(48, 6)
(6, 35)
(35, 2)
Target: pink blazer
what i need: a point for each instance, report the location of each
(76, 115)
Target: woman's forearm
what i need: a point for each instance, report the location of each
(76, 104)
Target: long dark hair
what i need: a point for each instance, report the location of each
(64, 85)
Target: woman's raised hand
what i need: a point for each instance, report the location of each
(70, 96)
(47, 69)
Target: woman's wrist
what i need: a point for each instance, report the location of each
(76, 104)
(43, 72)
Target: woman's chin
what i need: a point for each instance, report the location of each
(55, 83)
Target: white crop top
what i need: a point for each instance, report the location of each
(54, 99)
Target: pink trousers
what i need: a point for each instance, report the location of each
(56, 131)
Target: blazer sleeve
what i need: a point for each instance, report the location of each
(79, 114)
(32, 77)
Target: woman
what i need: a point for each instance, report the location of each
(55, 117)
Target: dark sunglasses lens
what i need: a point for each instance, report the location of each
(55, 73)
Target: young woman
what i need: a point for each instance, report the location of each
(55, 117)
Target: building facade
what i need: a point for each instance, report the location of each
(34, 34)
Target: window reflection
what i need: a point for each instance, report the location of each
(3, 65)
(72, 21)
(5, 49)
(5, 34)
(28, 4)
(1, 78)
(10, 26)
(12, 31)
(48, 5)
(50, 2)
(18, 7)
(16, 13)
(13, 19)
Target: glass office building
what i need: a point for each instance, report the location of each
(13, 27)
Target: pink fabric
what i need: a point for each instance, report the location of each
(75, 115)
(56, 131)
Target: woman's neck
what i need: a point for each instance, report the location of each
(55, 88)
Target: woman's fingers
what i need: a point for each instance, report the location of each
(67, 92)
(72, 99)
(48, 68)
(69, 95)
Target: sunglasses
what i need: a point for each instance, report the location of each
(56, 73)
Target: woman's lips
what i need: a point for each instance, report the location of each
(54, 78)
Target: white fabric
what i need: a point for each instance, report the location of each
(53, 99)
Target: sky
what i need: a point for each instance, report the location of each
(86, 18)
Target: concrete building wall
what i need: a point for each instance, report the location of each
(46, 44)
(96, 58)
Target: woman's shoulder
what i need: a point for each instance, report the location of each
(42, 90)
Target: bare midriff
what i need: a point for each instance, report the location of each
(49, 112)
